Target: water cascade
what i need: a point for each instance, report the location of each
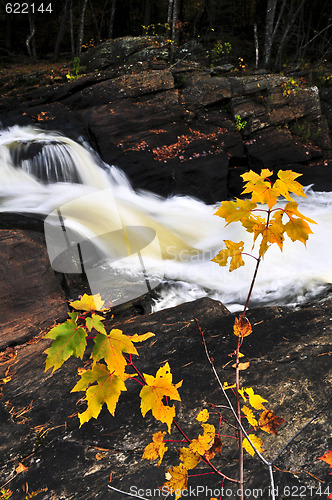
(95, 222)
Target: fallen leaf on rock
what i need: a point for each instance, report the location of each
(21, 468)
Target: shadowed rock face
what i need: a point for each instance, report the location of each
(173, 129)
(289, 355)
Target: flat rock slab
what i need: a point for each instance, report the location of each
(290, 366)
(31, 298)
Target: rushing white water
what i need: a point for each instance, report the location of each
(188, 235)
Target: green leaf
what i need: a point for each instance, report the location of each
(69, 340)
(106, 388)
(95, 322)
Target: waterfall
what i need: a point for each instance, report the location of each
(95, 222)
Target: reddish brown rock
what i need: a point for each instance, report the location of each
(31, 298)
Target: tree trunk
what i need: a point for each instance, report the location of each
(169, 18)
(72, 42)
(256, 46)
(30, 40)
(81, 30)
(61, 31)
(111, 24)
(291, 19)
(175, 28)
(269, 24)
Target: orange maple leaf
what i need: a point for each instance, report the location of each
(242, 327)
(327, 457)
(269, 422)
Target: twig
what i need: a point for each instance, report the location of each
(126, 493)
(299, 432)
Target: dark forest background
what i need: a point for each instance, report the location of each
(265, 33)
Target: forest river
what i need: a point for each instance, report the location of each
(93, 216)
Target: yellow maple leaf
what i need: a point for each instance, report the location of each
(89, 303)
(141, 338)
(234, 252)
(242, 327)
(204, 441)
(297, 228)
(189, 458)
(156, 449)
(111, 348)
(250, 416)
(255, 400)
(287, 184)
(178, 480)
(241, 392)
(261, 188)
(153, 392)
(203, 416)
(233, 211)
(271, 233)
(257, 442)
(269, 422)
(227, 386)
(101, 386)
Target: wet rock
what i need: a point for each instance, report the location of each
(31, 298)
(289, 366)
(206, 90)
(124, 50)
(271, 148)
(133, 85)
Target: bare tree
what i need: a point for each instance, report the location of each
(61, 31)
(292, 16)
(30, 41)
(81, 30)
(111, 24)
(271, 28)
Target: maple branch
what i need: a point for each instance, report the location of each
(238, 411)
(130, 363)
(266, 462)
(249, 255)
(251, 287)
(216, 471)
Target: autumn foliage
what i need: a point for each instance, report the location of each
(112, 367)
